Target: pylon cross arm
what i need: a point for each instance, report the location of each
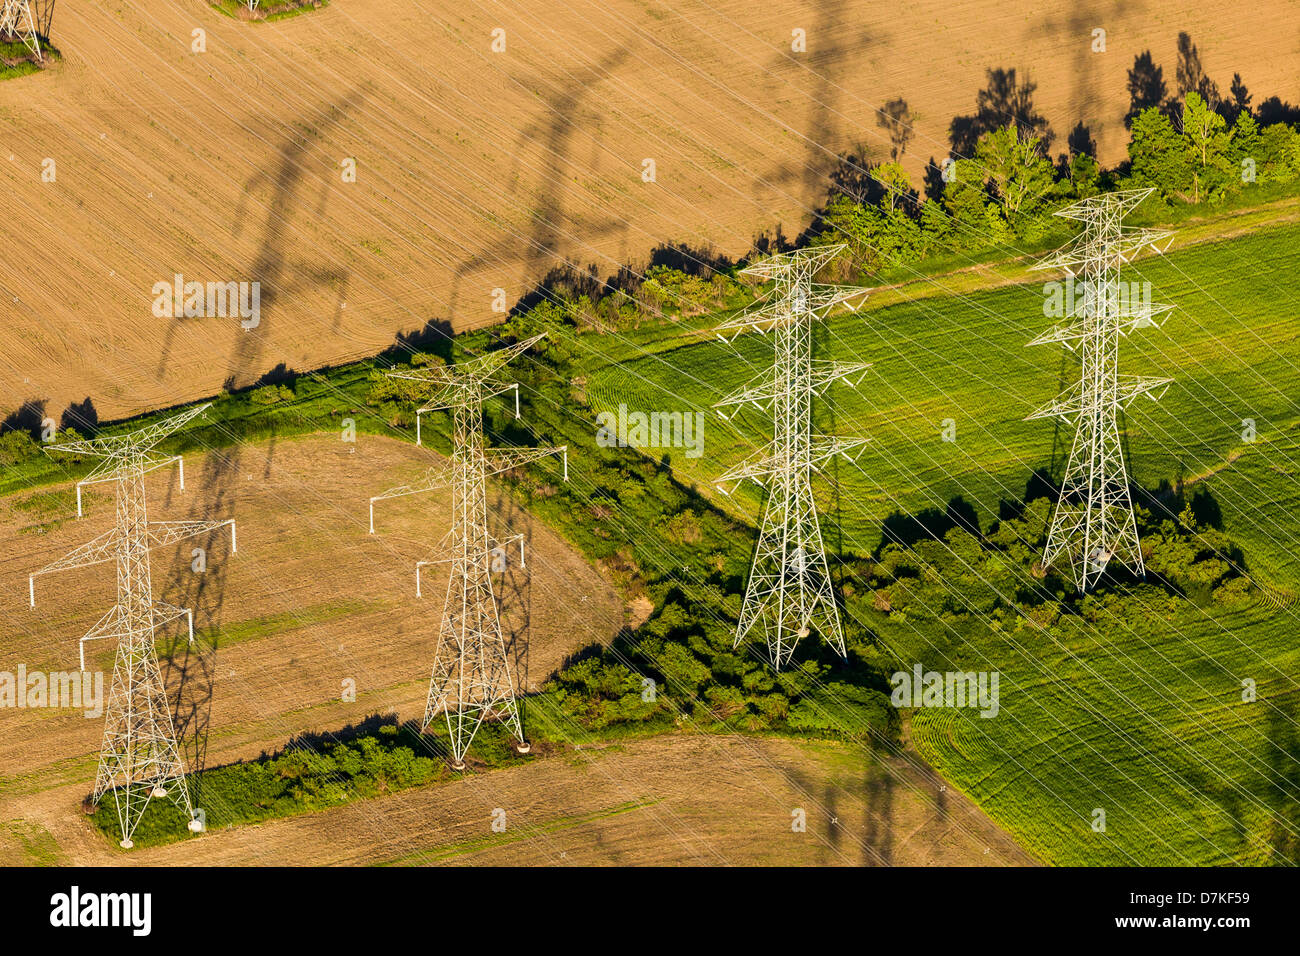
(810, 258)
(444, 394)
(763, 389)
(100, 549)
(435, 480)
(112, 625)
(1117, 203)
(1129, 387)
(828, 447)
(1143, 316)
(824, 373)
(477, 368)
(164, 613)
(110, 468)
(163, 533)
(754, 468)
(503, 459)
(1086, 249)
(137, 442)
(818, 301)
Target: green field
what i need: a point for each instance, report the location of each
(1229, 346)
(1139, 714)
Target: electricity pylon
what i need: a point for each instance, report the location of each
(1094, 521)
(471, 679)
(18, 22)
(140, 758)
(789, 589)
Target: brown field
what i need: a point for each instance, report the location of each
(478, 170)
(308, 601)
(694, 800)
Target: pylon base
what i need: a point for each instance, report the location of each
(522, 747)
(126, 844)
(457, 765)
(158, 792)
(195, 826)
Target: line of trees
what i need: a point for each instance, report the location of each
(1001, 186)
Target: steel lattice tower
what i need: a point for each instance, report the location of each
(140, 758)
(1094, 521)
(17, 20)
(789, 590)
(471, 679)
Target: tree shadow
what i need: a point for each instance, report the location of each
(928, 524)
(895, 117)
(80, 416)
(1190, 75)
(1274, 110)
(1146, 86)
(567, 283)
(435, 337)
(28, 417)
(1004, 98)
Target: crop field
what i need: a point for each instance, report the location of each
(489, 170)
(647, 802)
(308, 602)
(1229, 346)
(1139, 715)
(1142, 718)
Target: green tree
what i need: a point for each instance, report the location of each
(1018, 173)
(1158, 154)
(1207, 143)
(1085, 176)
(895, 180)
(1279, 147)
(854, 224)
(966, 201)
(898, 237)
